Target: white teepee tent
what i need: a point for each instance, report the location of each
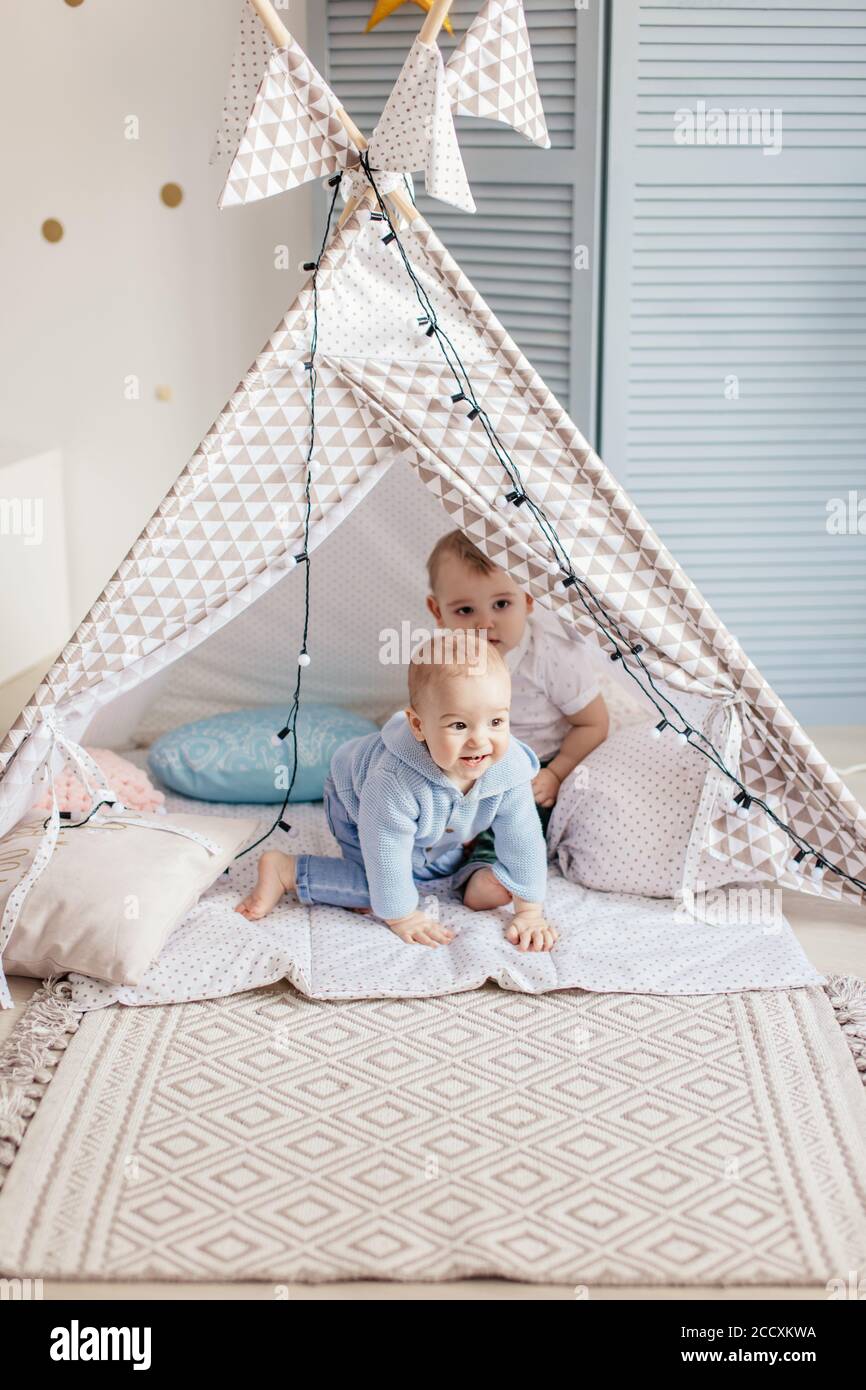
(390, 354)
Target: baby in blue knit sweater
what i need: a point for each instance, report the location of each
(404, 802)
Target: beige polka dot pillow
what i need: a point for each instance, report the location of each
(623, 818)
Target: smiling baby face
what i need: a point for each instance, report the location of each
(461, 713)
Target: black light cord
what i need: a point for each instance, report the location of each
(590, 601)
(290, 729)
(75, 825)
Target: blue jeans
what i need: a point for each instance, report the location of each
(323, 878)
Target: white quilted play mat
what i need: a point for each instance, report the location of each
(608, 943)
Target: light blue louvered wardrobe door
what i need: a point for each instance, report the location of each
(534, 206)
(734, 363)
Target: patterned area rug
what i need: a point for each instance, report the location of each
(570, 1138)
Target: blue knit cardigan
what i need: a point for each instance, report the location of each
(412, 821)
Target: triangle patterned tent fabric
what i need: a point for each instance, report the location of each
(231, 525)
(252, 50)
(294, 133)
(491, 72)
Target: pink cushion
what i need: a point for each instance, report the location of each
(131, 783)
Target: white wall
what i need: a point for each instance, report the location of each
(182, 297)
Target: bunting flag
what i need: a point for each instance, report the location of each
(491, 72)
(294, 133)
(416, 129)
(252, 51)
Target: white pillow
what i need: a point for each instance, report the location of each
(110, 895)
(624, 816)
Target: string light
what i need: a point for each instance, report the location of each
(795, 864)
(510, 499)
(290, 729)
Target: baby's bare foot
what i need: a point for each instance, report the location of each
(276, 877)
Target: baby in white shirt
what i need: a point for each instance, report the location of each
(556, 706)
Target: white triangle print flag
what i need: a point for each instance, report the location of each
(416, 129)
(491, 72)
(252, 50)
(294, 133)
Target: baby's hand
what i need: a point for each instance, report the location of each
(545, 787)
(421, 929)
(530, 932)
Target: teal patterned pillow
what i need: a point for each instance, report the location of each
(235, 757)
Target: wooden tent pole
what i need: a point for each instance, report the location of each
(282, 38)
(428, 34)
(436, 17)
(272, 22)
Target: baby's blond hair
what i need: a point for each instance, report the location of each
(448, 654)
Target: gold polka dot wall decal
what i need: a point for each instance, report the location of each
(52, 230)
(171, 194)
(73, 4)
(163, 393)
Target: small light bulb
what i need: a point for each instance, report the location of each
(304, 658)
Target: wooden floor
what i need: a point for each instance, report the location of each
(834, 938)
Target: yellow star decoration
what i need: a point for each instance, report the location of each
(383, 8)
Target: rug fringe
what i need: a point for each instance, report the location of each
(28, 1058)
(847, 994)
